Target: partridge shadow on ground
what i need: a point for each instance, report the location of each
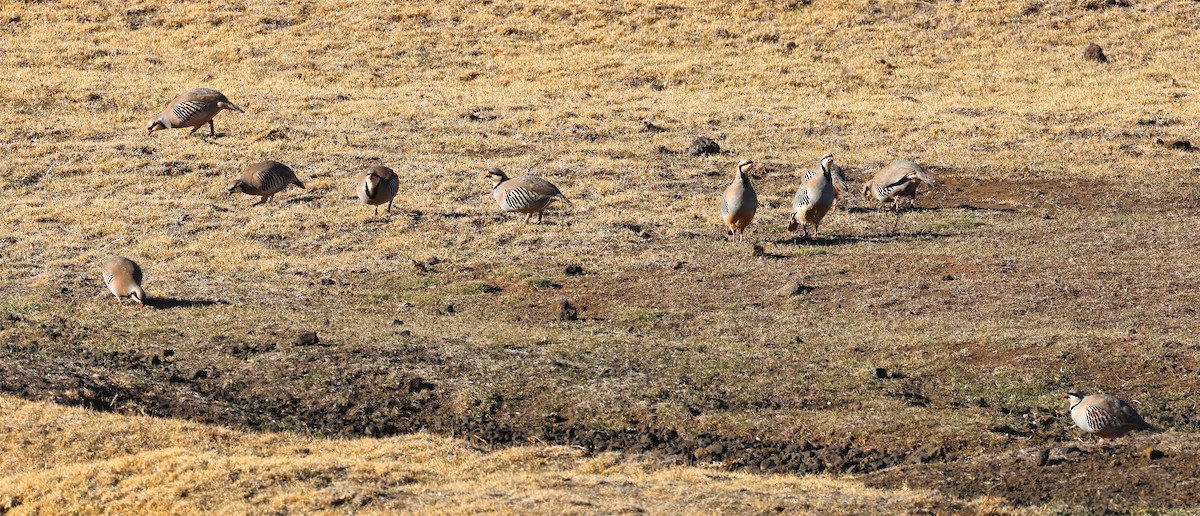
(167, 303)
(835, 240)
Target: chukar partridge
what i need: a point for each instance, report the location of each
(379, 185)
(192, 108)
(739, 202)
(523, 194)
(815, 197)
(898, 180)
(123, 278)
(1104, 415)
(265, 178)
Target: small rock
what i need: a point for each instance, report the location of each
(1036, 456)
(449, 309)
(1061, 452)
(793, 289)
(881, 373)
(308, 338)
(1153, 453)
(651, 127)
(1093, 52)
(703, 146)
(567, 312)
(573, 270)
(1004, 429)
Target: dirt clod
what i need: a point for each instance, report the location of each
(1093, 52)
(308, 338)
(793, 289)
(703, 146)
(567, 311)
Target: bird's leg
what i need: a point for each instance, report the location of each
(389, 208)
(194, 129)
(539, 217)
(212, 129)
(376, 211)
(263, 201)
(527, 215)
(896, 221)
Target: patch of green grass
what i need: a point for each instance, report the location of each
(638, 315)
(472, 288)
(541, 284)
(17, 307)
(811, 250)
(959, 222)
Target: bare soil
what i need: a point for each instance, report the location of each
(371, 389)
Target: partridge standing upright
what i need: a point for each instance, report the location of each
(192, 108)
(1104, 415)
(123, 278)
(523, 194)
(899, 179)
(739, 202)
(377, 186)
(265, 178)
(814, 197)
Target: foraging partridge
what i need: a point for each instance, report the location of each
(815, 197)
(1104, 415)
(377, 186)
(739, 202)
(523, 194)
(193, 108)
(265, 178)
(123, 278)
(899, 179)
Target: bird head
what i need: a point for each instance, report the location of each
(745, 166)
(497, 176)
(235, 186)
(139, 295)
(827, 162)
(867, 191)
(1074, 396)
(154, 124)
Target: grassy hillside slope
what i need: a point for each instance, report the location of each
(1056, 252)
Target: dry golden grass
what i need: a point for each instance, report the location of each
(58, 460)
(1061, 225)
